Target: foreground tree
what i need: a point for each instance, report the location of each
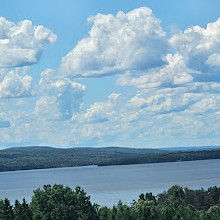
(62, 203)
(6, 210)
(58, 202)
(22, 211)
(213, 213)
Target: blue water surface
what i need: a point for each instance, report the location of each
(108, 185)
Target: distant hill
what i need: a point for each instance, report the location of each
(35, 157)
(126, 150)
(119, 150)
(196, 148)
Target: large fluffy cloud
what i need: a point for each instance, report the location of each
(174, 73)
(15, 84)
(22, 44)
(99, 112)
(127, 41)
(200, 46)
(59, 98)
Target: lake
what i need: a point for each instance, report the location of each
(107, 185)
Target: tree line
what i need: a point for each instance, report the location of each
(27, 158)
(164, 157)
(62, 203)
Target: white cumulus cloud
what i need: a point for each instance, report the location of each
(15, 85)
(127, 41)
(99, 112)
(174, 73)
(59, 95)
(22, 44)
(200, 46)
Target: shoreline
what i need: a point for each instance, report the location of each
(111, 165)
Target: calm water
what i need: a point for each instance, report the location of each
(107, 185)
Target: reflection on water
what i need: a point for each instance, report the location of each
(107, 185)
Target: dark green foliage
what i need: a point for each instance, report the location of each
(165, 157)
(148, 197)
(22, 211)
(213, 213)
(176, 203)
(62, 203)
(58, 202)
(6, 210)
(199, 199)
(26, 158)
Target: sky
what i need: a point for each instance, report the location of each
(142, 73)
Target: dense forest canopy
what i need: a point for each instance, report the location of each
(62, 203)
(27, 158)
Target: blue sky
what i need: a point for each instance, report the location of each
(116, 73)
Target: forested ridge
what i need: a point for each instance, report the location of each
(62, 203)
(165, 157)
(27, 158)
